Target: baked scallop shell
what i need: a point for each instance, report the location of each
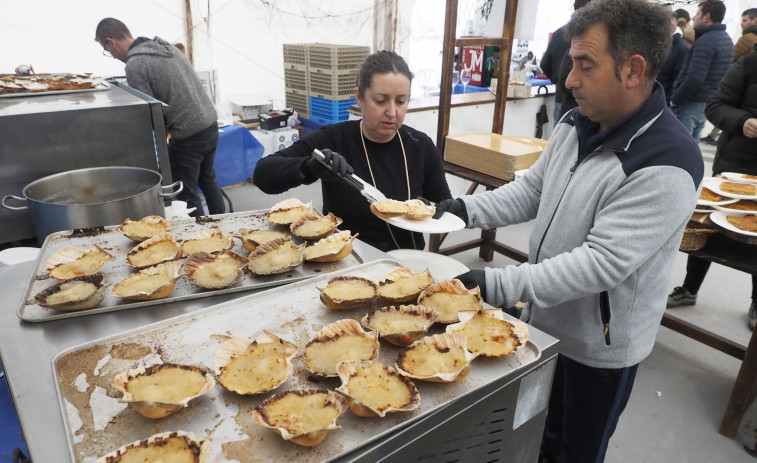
(166, 446)
(69, 262)
(419, 210)
(79, 293)
(438, 358)
(348, 292)
(337, 342)
(252, 238)
(160, 390)
(276, 256)
(151, 283)
(254, 367)
(145, 228)
(488, 333)
(404, 285)
(450, 297)
(330, 249)
(214, 271)
(373, 389)
(313, 227)
(401, 325)
(289, 210)
(158, 249)
(389, 208)
(209, 240)
(304, 417)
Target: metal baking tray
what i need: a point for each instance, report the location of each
(100, 87)
(96, 423)
(117, 269)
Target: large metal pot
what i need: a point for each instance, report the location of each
(93, 197)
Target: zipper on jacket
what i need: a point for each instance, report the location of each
(604, 311)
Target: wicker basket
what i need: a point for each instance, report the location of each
(694, 239)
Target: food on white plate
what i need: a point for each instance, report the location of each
(275, 256)
(175, 446)
(78, 293)
(214, 271)
(348, 292)
(158, 249)
(749, 177)
(373, 389)
(449, 297)
(253, 367)
(313, 227)
(401, 325)
(742, 205)
(151, 283)
(160, 390)
(745, 189)
(330, 249)
(289, 210)
(488, 333)
(209, 240)
(746, 223)
(709, 195)
(304, 417)
(438, 358)
(389, 208)
(419, 210)
(145, 228)
(337, 342)
(70, 262)
(404, 285)
(252, 238)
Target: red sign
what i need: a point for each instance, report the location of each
(473, 60)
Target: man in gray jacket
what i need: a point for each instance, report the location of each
(160, 70)
(610, 198)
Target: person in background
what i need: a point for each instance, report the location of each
(672, 65)
(181, 47)
(684, 23)
(611, 195)
(160, 70)
(400, 161)
(733, 108)
(557, 49)
(705, 64)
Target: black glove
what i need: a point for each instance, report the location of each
(453, 206)
(473, 278)
(339, 166)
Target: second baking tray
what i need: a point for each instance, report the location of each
(117, 269)
(97, 423)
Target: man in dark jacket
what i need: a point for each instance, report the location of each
(672, 65)
(706, 63)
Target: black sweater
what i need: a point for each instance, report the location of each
(283, 170)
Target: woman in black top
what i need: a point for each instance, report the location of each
(400, 161)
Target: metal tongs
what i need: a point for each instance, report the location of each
(370, 192)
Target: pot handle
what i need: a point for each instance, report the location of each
(14, 208)
(172, 193)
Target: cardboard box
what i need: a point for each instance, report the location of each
(493, 154)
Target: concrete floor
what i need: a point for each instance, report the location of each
(681, 389)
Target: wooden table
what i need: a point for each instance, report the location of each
(725, 248)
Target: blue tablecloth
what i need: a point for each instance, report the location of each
(236, 155)
(470, 89)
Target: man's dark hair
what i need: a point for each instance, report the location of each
(111, 28)
(633, 27)
(381, 62)
(715, 8)
(579, 3)
(751, 12)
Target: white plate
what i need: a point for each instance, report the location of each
(703, 211)
(715, 186)
(719, 218)
(738, 177)
(445, 224)
(733, 211)
(441, 267)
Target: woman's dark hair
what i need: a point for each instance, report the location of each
(681, 13)
(381, 62)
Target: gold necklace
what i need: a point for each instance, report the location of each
(373, 179)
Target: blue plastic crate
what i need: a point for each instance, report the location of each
(328, 111)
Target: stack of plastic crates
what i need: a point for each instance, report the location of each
(332, 77)
(297, 87)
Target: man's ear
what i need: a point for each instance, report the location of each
(634, 70)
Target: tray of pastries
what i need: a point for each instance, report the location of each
(14, 85)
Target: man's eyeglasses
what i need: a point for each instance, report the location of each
(105, 50)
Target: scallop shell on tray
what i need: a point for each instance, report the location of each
(145, 228)
(348, 292)
(158, 249)
(404, 285)
(337, 342)
(79, 293)
(401, 325)
(70, 262)
(419, 210)
(209, 240)
(332, 248)
(252, 238)
(438, 358)
(450, 297)
(373, 389)
(488, 333)
(254, 367)
(389, 208)
(314, 227)
(289, 210)
(166, 446)
(151, 283)
(275, 256)
(214, 271)
(160, 390)
(304, 417)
